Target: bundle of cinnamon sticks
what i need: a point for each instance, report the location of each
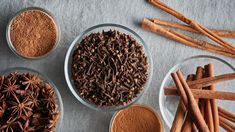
(197, 108)
(160, 26)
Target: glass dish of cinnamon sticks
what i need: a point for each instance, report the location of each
(205, 102)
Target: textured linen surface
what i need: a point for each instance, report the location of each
(75, 16)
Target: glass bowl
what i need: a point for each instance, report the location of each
(161, 129)
(45, 79)
(169, 104)
(73, 46)
(8, 36)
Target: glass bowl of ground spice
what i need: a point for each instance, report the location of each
(33, 33)
(108, 67)
(29, 101)
(132, 119)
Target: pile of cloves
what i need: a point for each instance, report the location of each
(27, 103)
(109, 68)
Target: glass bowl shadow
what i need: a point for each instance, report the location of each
(73, 46)
(44, 79)
(169, 104)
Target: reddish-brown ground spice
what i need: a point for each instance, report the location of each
(33, 33)
(136, 119)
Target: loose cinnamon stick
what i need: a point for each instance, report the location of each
(226, 125)
(188, 125)
(189, 101)
(219, 32)
(184, 39)
(213, 102)
(208, 81)
(224, 120)
(208, 109)
(204, 94)
(180, 112)
(193, 24)
(226, 114)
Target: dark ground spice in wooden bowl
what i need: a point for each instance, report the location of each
(109, 68)
(33, 33)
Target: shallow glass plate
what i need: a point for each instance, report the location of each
(168, 104)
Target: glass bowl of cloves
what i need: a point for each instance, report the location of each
(29, 101)
(108, 67)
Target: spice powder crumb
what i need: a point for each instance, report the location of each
(33, 33)
(136, 119)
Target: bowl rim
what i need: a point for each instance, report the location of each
(46, 12)
(139, 105)
(177, 65)
(80, 37)
(44, 78)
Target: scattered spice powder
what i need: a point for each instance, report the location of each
(109, 68)
(137, 118)
(33, 33)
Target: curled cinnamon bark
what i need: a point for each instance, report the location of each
(189, 101)
(208, 81)
(214, 108)
(193, 24)
(204, 94)
(188, 125)
(219, 32)
(184, 39)
(226, 114)
(180, 113)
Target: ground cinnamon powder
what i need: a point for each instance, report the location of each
(33, 33)
(136, 119)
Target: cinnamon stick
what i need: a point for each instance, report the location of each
(226, 114)
(202, 107)
(226, 125)
(224, 120)
(204, 94)
(189, 101)
(208, 81)
(213, 102)
(208, 110)
(188, 125)
(193, 24)
(219, 32)
(184, 39)
(180, 112)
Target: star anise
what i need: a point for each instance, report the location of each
(10, 87)
(27, 104)
(9, 125)
(49, 90)
(31, 81)
(21, 107)
(53, 121)
(49, 94)
(34, 99)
